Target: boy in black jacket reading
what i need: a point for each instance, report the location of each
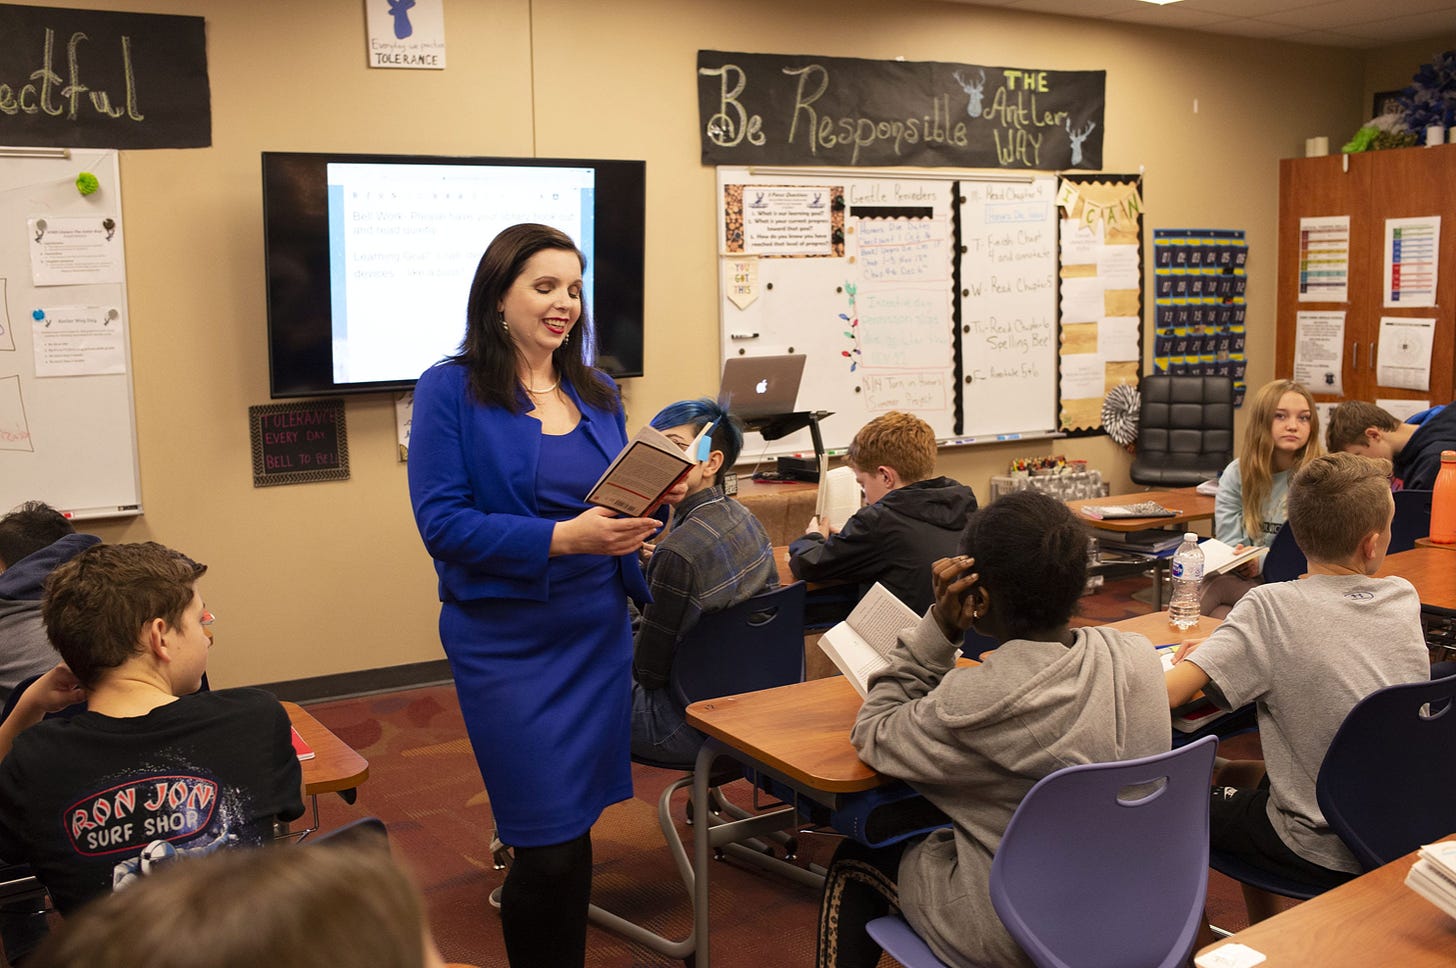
(910, 519)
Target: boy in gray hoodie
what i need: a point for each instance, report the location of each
(974, 740)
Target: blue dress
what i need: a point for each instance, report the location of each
(540, 647)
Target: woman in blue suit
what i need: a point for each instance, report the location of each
(507, 438)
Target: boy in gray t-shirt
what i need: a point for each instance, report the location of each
(1306, 652)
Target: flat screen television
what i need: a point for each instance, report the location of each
(369, 258)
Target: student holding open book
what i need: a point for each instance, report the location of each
(1250, 508)
(974, 740)
(910, 518)
(509, 436)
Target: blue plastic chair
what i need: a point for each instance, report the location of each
(1387, 784)
(1412, 519)
(1094, 874)
(1285, 561)
(757, 644)
(1388, 781)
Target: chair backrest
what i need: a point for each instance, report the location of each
(1388, 781)
(1412, 519)
(756, 644)
(1185, 429)
(1285, 561)
(1094, 874)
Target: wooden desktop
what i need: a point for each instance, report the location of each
(1190, 505)
(1373, 920)
(799, 734)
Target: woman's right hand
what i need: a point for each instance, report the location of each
(598, 531)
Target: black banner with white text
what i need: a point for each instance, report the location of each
(785, 109)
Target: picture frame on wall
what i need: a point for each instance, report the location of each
(1385, 102)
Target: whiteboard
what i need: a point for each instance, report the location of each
(67, 432)
(870, 277)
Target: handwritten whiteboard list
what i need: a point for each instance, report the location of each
(856, 273)
(1009, 307)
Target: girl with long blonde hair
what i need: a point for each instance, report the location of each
(1282, 433)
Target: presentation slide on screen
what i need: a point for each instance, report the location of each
(404, 241)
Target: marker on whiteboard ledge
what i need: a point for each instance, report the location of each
(743, 336)
(1008, 436)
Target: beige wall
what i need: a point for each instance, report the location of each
(330, 577)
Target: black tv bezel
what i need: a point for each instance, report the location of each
(295, 223)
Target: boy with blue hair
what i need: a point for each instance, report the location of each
(716, 556)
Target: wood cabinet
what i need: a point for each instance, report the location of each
(1372, 187)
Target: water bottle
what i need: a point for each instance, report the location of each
(1443, 501)
(1187, 575)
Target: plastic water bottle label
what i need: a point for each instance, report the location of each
(1186, 570)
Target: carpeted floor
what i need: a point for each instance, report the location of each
(424, 784)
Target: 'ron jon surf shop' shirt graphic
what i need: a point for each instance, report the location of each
(93, 801)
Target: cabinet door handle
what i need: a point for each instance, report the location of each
(1372, 356)
(1355, 355)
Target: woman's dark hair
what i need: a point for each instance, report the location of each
(1031, 553)
(487, 351)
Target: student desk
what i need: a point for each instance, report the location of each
(799, 735)
(1431, 570)
(783, 508)
(1373, 920)
(335, 766)
(1190, 505)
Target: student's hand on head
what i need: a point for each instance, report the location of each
(598, 531)
(1186, 649)
(954, 608)
(56, 690)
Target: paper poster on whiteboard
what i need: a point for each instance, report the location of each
(75, 250)
(78, 341)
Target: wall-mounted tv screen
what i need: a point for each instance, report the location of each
(370, 258)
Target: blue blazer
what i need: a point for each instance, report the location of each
(472, 481)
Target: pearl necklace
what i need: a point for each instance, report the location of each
(553, 386)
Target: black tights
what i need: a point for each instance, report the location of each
(543, 905)
(859, 887)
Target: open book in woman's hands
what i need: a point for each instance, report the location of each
(641, 475)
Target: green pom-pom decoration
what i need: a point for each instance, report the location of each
(86, 183)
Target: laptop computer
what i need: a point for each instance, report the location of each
(757, 387)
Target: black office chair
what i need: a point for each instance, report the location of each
(1185, 430)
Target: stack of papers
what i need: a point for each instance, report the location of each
(1143, 509)
(1150, 541)
(1433, 877)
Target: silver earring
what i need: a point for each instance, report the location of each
(566, 339)
(504, 326)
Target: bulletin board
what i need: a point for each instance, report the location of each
(67, 417)
(1100, 270)
(931, 293)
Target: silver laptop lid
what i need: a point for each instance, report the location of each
(761, 386)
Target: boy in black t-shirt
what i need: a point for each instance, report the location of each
(148, 771)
